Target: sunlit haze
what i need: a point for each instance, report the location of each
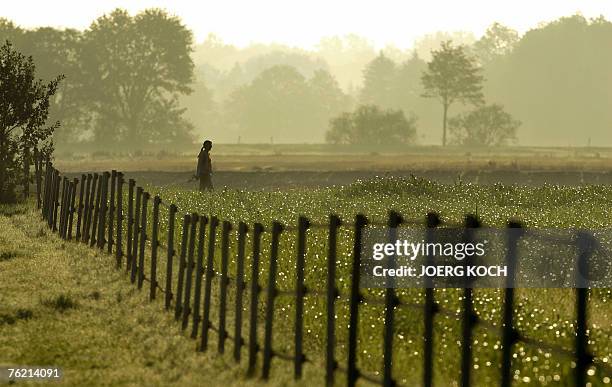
(304, 23)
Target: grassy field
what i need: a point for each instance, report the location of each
(75, 273)
(345, 158)
(64, 304)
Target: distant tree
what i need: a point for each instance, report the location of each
(24, 107)
(9, 31)
(369, 124)
(452, 76)
(326, 98)
(275, 105)
(379, 83)
(58, 52)
(485, 126)
(428, 43)
(557, 80)
(137, 67)
(497, 42)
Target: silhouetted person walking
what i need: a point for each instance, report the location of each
(204, 170)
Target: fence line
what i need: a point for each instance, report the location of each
(100, 222)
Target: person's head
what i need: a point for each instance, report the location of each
(207, 145)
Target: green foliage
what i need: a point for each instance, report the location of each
(281, 102)
(369, 124)
(485, 126)
(497, 42)
(379, 82)
(557, 79)
(136, 68)
(24, 107)
(452, 76)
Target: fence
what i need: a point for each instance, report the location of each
(100, 222)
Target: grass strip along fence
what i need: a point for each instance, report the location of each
(96, 214)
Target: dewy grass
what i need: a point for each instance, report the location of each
(541, 314)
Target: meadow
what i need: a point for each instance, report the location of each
(541, 314)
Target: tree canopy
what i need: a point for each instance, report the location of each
(485, 126)
(24, 107)
(369, 124)
(136, 68)
(452, 76)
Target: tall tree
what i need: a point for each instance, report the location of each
(452, 76)
(273, 105)
(327, 99)
(137, 68)
(498, 41)
(24, 107)
(58, 51)
(379, 82)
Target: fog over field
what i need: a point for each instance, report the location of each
(271, 74)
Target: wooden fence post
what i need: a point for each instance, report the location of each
(52, 198)
(130, 224)
(224, 281)
(258, 229)
(431, 308)
(509, 333)
(170, 255)
(469, 317)
(143, 239)
(45, 198)
(62, 214)
(197, 296)
(277, 228)
(240, 287)
(103, 211)
(119, 245)
(86, 209)
(95, 213)
(51, 191)
(300, 291)
(189, 275)
(355, 299)
(154, 246)
(332, 294)
(178, 307)
(111, 212)
(135, 236)
(586, 245)
(75, 183)
(56, 199)
(80, 208)
(209, 273)
(391, 302)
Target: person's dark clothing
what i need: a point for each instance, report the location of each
(204, 170)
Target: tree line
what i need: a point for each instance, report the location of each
(139, 81)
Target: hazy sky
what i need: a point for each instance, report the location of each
(303, 23)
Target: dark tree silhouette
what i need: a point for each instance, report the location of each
(485, 126)
(369, 124)
(137, 67)
(24, 107)
(452, 76)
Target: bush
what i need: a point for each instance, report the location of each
(486, 126)
(371, 125)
